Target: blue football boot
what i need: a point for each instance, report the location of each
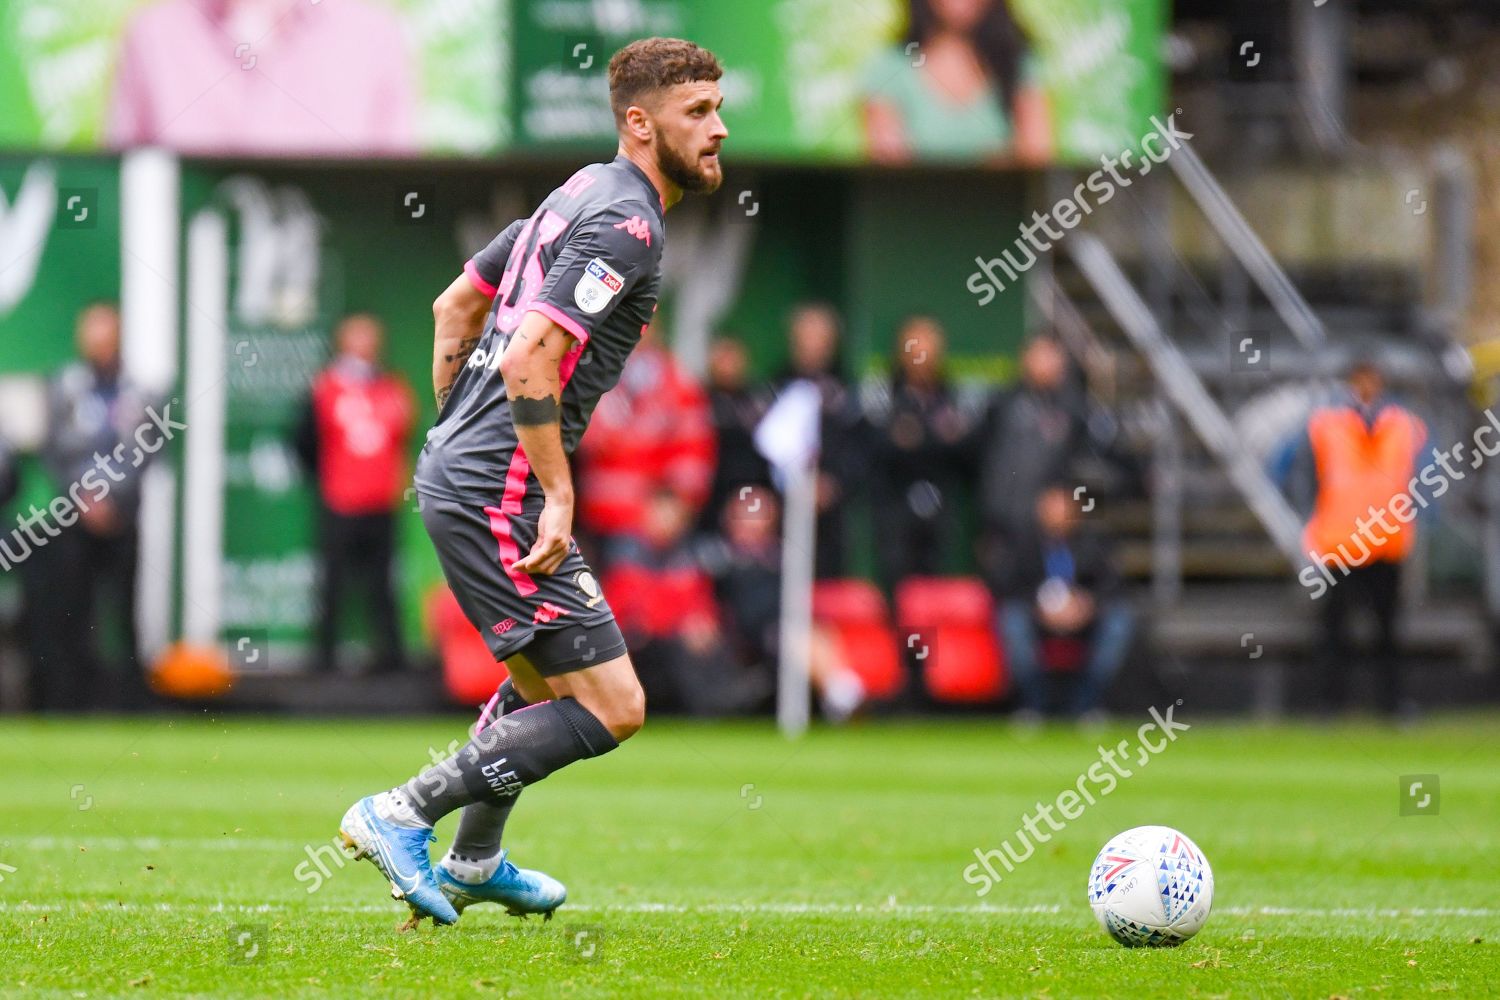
(401, 855)
(520, 890)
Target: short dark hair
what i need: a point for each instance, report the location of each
(652, 64)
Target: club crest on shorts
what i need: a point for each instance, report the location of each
(584, 581)
(599, 284)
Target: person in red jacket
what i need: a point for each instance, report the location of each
(354, 437)
(653, 430)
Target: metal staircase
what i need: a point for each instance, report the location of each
(1152, 337)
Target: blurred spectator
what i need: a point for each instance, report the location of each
(919, 434)
(736, 409)
(1028, 439)
(813, 338)
(1061, 583)
(1361, 453)
(665, 603)
(746, 565)
(353, 439)
(333, 78)
(99, 430)
(958, 86)
(652, 430)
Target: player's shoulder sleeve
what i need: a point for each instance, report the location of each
(609, 256)
(487, 266)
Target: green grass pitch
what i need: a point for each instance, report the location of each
(170, 857)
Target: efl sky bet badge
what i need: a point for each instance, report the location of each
(599, 284)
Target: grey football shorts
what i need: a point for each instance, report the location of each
(559, 621)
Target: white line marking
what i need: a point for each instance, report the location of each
(850, 909)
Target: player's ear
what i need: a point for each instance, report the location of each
(639, 124)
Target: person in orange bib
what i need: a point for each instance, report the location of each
(1363, 454)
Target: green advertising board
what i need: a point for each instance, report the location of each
(59, 251)
(831, 81)
(301, 248)
(801, 75)
(70, 68)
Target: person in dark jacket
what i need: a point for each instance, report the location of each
(1028, 439)
(84, 580)
(745, 562)
(919, 431)
(813, 333)
(1061, 582)
(737, 409)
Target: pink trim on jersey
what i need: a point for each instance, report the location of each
(578, 183)
(510, 506)
(477, 280)
(562, 319)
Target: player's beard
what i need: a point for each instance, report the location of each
(683, 172)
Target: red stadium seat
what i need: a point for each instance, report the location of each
(470, 673)
(855, 612)
(948, 623)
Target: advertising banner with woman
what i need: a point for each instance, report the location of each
(1003, 83)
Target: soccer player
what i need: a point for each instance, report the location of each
(527, 340)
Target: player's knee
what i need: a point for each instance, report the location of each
(612, 692)
(627, 712)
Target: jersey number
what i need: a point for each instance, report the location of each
(519, 284)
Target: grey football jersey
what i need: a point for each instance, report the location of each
(589, 259)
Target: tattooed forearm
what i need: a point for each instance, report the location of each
(535, 412)
(465, 348)
(451, 365)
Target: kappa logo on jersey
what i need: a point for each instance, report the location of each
(599, 284)
(548, 612)
(637, 227)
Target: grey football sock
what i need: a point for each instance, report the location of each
(520, 749)
(482, 824)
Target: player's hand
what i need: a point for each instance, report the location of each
(554, 535)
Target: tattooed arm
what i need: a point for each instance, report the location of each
(458, 318)
(460, 311)
(531, 368)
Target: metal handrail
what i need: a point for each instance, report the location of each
(1247, 248)
(1181, 384)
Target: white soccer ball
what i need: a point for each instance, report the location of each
(1151, 886)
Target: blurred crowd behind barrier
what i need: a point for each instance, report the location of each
(680, 516)
(212, 371)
